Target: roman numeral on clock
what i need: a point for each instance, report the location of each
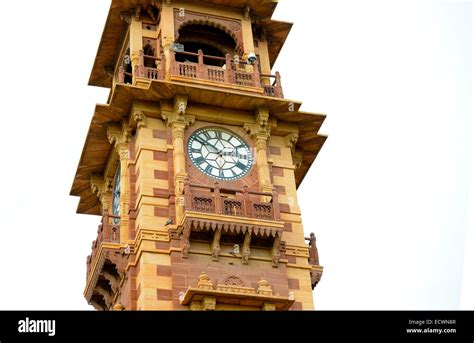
(199, 160)
(241, 166)
(209, 169)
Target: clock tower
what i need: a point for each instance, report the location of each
(193, 164)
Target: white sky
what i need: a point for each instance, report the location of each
(388, 196)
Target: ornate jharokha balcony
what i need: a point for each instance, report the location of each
(105, 265)
(108, 231)
(233, 72)
(231, 202)
(212, 211)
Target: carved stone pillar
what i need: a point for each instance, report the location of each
(124, 153)
(179, 163)
(136, 43)
(260, 131)
(119, 137)
(179, 159)
(167, 33)
(179, 121)
(262, 162)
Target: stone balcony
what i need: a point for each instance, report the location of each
(232, 74)
(243, 216)
(108, 232)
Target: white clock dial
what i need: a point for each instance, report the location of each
(220, 154)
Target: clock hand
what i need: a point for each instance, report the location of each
(207, 144)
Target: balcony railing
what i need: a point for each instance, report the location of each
(108, 231)
(232, 72)
(272, 85)
(231, 202)
(142, 71)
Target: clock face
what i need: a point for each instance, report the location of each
(220, 154)
(116, 197)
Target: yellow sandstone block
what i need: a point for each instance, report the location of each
(156, 259)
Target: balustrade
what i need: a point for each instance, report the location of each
(231, 202)
(231, 72)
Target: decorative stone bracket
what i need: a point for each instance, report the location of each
(262, 125)
(140, 118)
(97, 184)
(119, 137)
(291, 140)
(102, 188)
(298, 158)
(219, 227)
(177, 114)
(110, 257)
(246, 248)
